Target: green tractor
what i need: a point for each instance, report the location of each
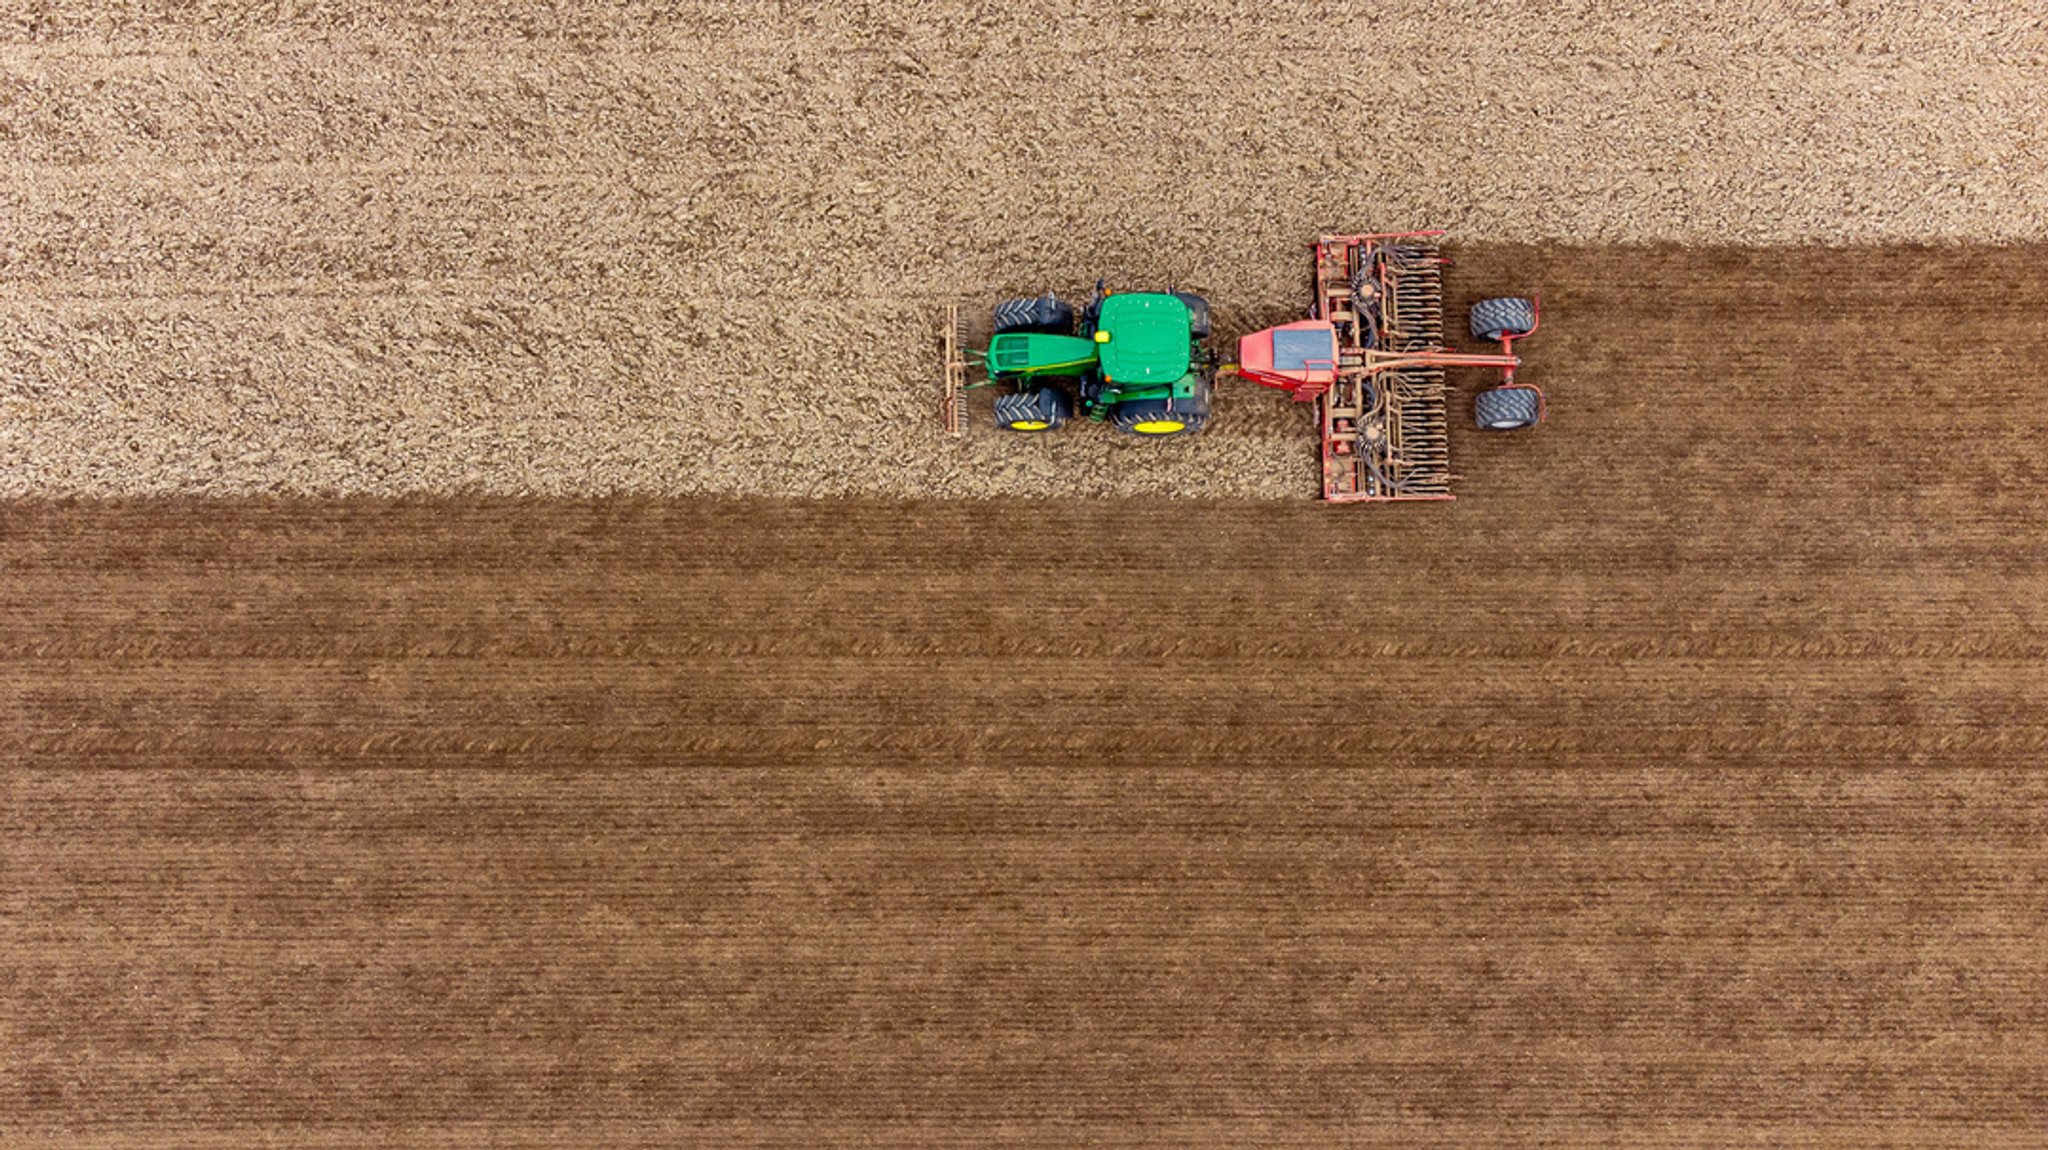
(1133, 359)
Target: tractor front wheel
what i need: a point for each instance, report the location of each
(1042, 314)
(1044, 409)
(1495, 318)
(1508, 408)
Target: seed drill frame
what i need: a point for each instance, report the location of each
(1372, 358)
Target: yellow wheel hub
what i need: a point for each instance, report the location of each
(1158, 427)
(1029, 425)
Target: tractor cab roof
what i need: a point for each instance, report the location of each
(1143, 337)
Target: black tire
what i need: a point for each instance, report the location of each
(1507, 408)
(1028, 412)
(1162, 418)
(1198, 313)
(1494, 318)
(1043, 314)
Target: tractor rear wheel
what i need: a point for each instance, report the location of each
(1042, 314)
(1494, 318)
(1160, 418)
(1508, 408)
(1044, 409)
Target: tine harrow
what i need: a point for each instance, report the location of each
(952, 403)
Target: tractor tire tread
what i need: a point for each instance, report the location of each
(1194, 412)
(1035, 313)
(1047, 405)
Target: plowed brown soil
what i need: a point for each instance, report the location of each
(1688, 798)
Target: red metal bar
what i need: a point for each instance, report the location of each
(1442, 359)
(1309, 389)
(1362, 237)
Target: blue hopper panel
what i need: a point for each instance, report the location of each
(1303, 349)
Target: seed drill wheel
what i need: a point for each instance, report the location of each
(1507, 408)
(1045, 409)
(1507, 316)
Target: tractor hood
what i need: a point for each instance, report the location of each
(1147, 338)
